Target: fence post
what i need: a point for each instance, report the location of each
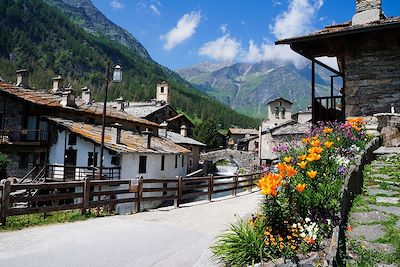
(250, 188)
(177, 201)
(86, 195)
(210, 187)
(236, 181)
(139, 194)
(5, 202)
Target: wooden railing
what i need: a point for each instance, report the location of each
(84, 195)
(66, 172)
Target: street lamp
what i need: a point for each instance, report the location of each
(117, 78)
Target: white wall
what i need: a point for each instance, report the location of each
(271, 111)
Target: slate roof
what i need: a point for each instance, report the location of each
(345, 28)
(180, 139)
(280, 98)
(293, 129)
(50, 100)
(142, 110)
(130, 142)
(243, 131)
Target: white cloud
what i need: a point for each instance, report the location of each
(224, 48)
(297, 20)
(330, 61)
(154, 9)
(183, 30)
(254, 53)
(224, 28)
(276, 3)
(115, 4)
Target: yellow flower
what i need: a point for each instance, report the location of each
(302, 164)
(315, 142)
(328, 144)
(316, 150)
(300, 187)
(327, 130)
(302, 157)
(305, 140)
(280, 238)
(312, 174)
(287, 159)
(269, 184)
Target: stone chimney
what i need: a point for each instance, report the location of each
(164, 127)
(86, 95)
(367, 11)
(116, 131)
(69, 97)
(163, 92)
(121, 103)
(184, 130)
(148, 135)
(58, 85)
(23, 78)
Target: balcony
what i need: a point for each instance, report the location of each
(24, 137)
(68, 173)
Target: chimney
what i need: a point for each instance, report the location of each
(164, 127)
(121, 103)
(23, 78)
(58, 84)
(116, 131)
(148, 135)
(367, 11)
(86, 95)
(68, 98)
(184, 130)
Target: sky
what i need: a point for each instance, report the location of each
(181, 33)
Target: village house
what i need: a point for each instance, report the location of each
(367, 50)
(158, 110)
(237, 134)
(57, 130)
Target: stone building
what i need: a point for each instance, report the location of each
(157, 110)
(279, 111)
(236, 134)
(367, 49)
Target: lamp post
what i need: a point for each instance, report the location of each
(117, 78)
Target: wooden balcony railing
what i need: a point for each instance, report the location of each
(24, 137)
(68, 173)
(330, 108)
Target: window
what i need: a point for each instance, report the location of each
(277, 113)
(92, 161)
(283, 113)
(162, 89)
(191, 148)
(162, 163)
(190, 162)
(176, 161)
(142, 164)
(115, 160)
(183, 160)
(72, 139)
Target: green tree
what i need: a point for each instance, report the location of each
(207, 132)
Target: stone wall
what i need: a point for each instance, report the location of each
(372, 70)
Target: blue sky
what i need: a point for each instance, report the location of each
(179, 33)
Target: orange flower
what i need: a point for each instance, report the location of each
(311, 157)
(305, 140)
(281, 168)
(302, 164)
(312, 174)
(309, 240)
(315, 142)
(327, 130)
(302, 157)
(300, 187)
(269, 184)
(316, 150)
(290, 171)
(328, 144)
(349, 228)
(287, 159)
(317, 156)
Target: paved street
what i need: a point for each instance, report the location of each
(165, 237)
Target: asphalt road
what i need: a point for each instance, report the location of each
(164, 237)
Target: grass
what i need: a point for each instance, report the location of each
(24, 221)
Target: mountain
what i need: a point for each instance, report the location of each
(247, 88)
(87, 16)
(41, 38)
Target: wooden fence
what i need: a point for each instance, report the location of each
(19, 199)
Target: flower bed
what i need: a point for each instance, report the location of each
(304, 200)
